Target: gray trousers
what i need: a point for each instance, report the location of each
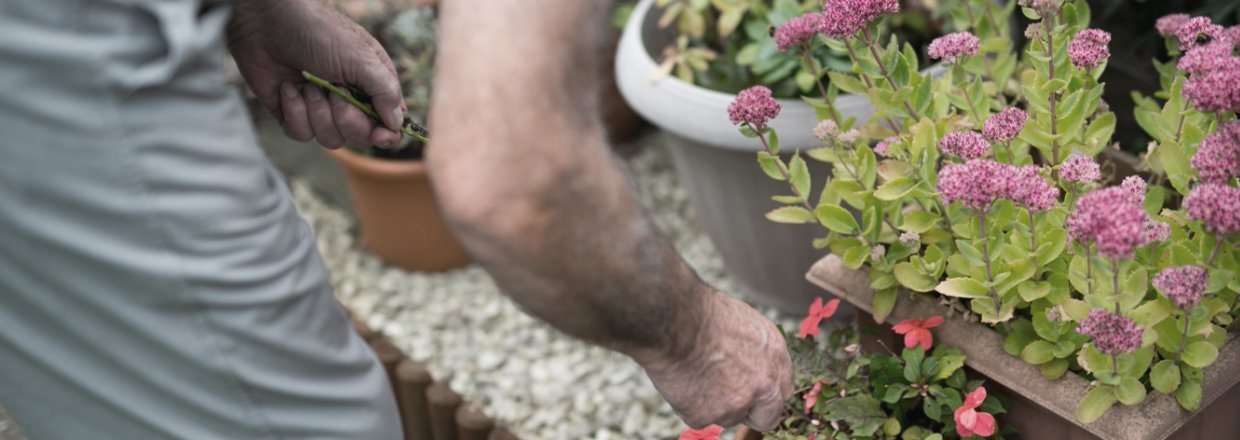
(155, 280)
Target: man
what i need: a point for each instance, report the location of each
(156, 282)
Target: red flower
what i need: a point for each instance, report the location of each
(708, 433)
(917, 332)
(812, 397)
(817, 313)
(969, 422)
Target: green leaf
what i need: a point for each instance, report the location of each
(911, 277)
(1033, 290)
(771, 165)
(790, 215)
(1200, 354)
(1015, 342)
(1174, 160)
(1054, 369)
(836, 219)
(867, 166)
(847, 83)
(1038, 352)
(799, 175)
(855, 257)
(1095, 404)
(1130, 391)
(962, 288)
(895, 189)
(1165, 377)
(772, 141)
(919, 221)
(948, 365)
(884, 302)
(1189, 395)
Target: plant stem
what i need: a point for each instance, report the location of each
(994, 296)
(1089, 269)
(1115, 282)
(869, 85)
(1183, 337)
(1114, 364)
(1218, 244)
(813, 70)
(787, 178)
(977, 116)
(1033, 234)
(1050, 53)
(869, 42)
(411, 129)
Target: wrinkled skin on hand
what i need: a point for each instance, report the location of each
(274, 40)
(739, 370)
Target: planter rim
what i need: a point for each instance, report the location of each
(1155, 418)
(380, 169)
(700, 114)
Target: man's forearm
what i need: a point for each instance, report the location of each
(535, 194)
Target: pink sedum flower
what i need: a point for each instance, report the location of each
(1168, 24)
(1218, 158)
(1108, 218)
(798, 30)
(1005, 125)
(953, 46)
(711, 432)
(1206, 58)
(884, 146)
(970, 422)
(825, 129)
(817, 313)
(753, 106)
(1216, 90)
(1089, 49)
(1182, 285)
(966, 145)
(909, 238)
(1232, 35)
(1197, 30)
(1135, 186)
(844, 18)
(1112, 334)
(1079, 168)
(1216, 206)
(917, 332)
(1031, 190)
(1156, 231)
(878, 252)
(976, 183)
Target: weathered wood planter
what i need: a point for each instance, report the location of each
(1046, 409)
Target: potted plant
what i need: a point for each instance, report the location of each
(397, 214)
(1115, 305)
(680, 65)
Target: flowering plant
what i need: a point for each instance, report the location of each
(985, 190)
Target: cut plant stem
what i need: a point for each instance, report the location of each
(990, 279)
(826, 99)
(410, 128)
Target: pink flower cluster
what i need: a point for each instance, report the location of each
(1218, 158)
(1005, 125)
(1197, 30)
(978, 182)
(1168, 24)
(1156, 231)
(798, 30)
(1079, 168)
(1089, 48)
(1112, 333)
(1135, 186)
(1042, 6)
(1205, 58)
(844, 18)
(753, 106)
(1182, 285)
(1215, 205)
(1109, 218)
(952, 46)
(966, 145)
(884, 146)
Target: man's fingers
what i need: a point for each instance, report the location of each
(383, 137)
(353, 124)
(384, 90)
(293, 114)
(321, 120)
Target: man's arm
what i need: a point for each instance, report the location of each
(526, 180)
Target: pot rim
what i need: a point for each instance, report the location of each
(380, 168)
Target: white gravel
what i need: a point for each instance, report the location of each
(533, 379)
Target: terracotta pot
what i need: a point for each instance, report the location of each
(1046, 409)
(397, 214)
(744, 433)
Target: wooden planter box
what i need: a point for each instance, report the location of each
(1046, 409)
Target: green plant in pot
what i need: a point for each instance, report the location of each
(985, 193)
(396, 210)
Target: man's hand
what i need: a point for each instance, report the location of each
(739, 371)
(274, 40)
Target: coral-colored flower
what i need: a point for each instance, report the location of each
(1005, 125)
(970, 422)
(812, 396)
(1216, 206)
(964, 144)
(1168, 24)
(1218, 158)
(1196, 31)
(1080, 168)
(817, 313)
(1112, 333)
(708, 433)
(917, 332)
(1109, 218)
(1183, 285)
(1089, 48)
(798, 30)
(754, 106)
(952, 46)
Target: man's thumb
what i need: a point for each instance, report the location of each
(385, 95)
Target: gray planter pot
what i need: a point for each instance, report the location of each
(718, 167)
(1046, 409)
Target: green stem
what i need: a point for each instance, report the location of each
(870, 43)
(826, 99)
(1050, 54)
(1033, 234)
(1089, 269)
(1183, 337)
(1218, 244)
(869, 85)
(990, 279)
(1115, 282)
(410, 128)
